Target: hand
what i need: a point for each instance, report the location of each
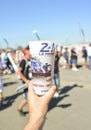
(38, 106)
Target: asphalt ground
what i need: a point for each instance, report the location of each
(70, 111)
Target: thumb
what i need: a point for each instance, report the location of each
(50, 93)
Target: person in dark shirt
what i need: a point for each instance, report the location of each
(74, 59)
(56, 71)
(84, 55)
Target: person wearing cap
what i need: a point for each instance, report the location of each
(24, 71)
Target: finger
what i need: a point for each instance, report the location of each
(50, 94)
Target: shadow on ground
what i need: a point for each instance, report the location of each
(8, 101)
(68, 88)
(9, 83)
(62, 94)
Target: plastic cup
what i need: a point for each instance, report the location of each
(42, 65)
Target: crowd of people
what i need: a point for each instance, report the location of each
(22, 59)
(71, 55)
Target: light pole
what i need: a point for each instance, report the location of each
(36, 34)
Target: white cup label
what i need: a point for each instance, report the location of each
(42, 65)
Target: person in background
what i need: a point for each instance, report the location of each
(3, 59)
(1, 83)
(84, 55)
(56, 71)
(74, 57)
(37, 106)
(66, 58)
(89, 55)
(24, 71)
(2, 67)
(61, 50)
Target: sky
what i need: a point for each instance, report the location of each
(62, 21)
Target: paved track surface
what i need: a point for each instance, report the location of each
(70, 111)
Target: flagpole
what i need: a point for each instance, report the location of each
(82, 34)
